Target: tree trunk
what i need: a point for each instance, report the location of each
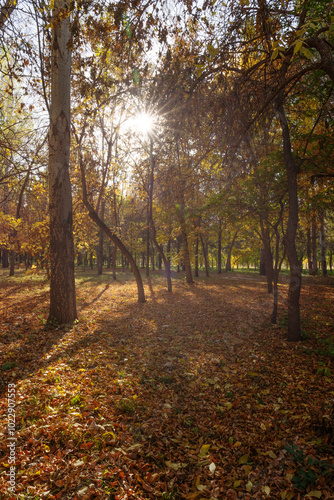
(196, 257)
(99, 253)
(109, 259)
(294, 333)
(125, 252)
(262, 262)
(228, 266)
(205, 255)
(62, 284)
(322, 241)
(268, 256)
(148, 250)
(219, 245)
(186, 256)
(309, 250)
(314, 243)
(114, 262)
(12, 263)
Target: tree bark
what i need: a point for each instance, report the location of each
(196, 257)
(114, 262)
(99, 253)
(219, 245)
(62, 284)
(268, 256)
(322, 241)
(262, 262)
(314, 244)
(228, 266)
(294, 333)
(205, 255)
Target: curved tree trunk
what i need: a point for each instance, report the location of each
(125, 252)
(294, 333)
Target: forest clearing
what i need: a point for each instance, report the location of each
(192, 395)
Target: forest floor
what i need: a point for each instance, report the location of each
(192, 395)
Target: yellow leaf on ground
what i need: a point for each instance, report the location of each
(314, 494)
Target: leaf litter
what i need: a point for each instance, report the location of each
(191, 395)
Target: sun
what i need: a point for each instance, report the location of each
(143, 123)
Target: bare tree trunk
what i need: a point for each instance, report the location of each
(109, 259)
(228, 266)
(294, 333)
(186, 256)
(114, 238)
(205, 255)
(99, 253)
(114, 262)
(219, 245)
(62, 284)
(262, 262)
(196, 257)
(322, 241)
(267, 256)
(309, 250)
(148, 249)
(314, 241)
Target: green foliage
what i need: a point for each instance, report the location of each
(309, 468)
(326, 349)
(76, 401)
(8, 365)
(127, 405)
(323, 370)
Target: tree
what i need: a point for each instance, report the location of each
(62, 284)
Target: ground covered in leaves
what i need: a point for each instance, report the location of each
(192, 395)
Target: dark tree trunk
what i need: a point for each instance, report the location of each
(322, 241)
(314, 243)
(91, 263)
(114, 262)
(148, 250)
(267, 256)
(262, 262)
(309, 250)
(228, 266)
(12, 263)
(219, 245)
(196, 257)
(186, 256)
(152, 258)
(294, 333)
(5, 261)
(205, 255)
(109, 259)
